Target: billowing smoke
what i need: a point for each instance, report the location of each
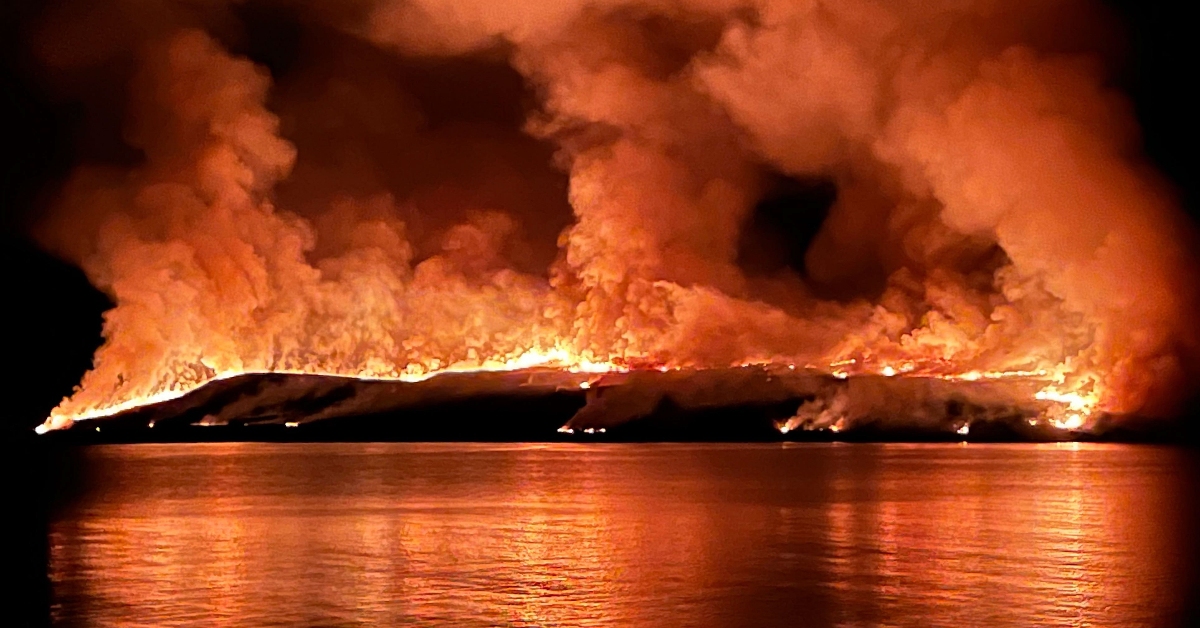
(466, 184)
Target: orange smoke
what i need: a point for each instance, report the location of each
(986, 177)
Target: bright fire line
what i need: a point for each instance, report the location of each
(1073, 409)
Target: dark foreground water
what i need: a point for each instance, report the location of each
(626, 535)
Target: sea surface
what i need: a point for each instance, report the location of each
(669, 535)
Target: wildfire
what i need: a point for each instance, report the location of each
(556, 358)
(240, 244)
(1074, 408)
(1068, 409)
(1064, 406)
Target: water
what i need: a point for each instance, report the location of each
(626, 535)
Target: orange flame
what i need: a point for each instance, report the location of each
(990, 184)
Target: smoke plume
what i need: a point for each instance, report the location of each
(392, 188)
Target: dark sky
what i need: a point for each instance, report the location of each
(54, 327)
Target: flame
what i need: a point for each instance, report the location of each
(1075, 408)
(1068, 408)
(212, 280)
(556, 357)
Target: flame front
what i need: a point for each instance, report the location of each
(992, 220)
(1070, 409)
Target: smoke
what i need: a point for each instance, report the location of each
(415, 185)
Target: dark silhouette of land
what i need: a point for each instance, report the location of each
(744, 405)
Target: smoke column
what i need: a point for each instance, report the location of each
(993, 213)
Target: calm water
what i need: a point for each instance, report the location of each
(626, 535)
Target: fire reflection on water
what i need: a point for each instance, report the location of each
(989, 545)
(618, 535)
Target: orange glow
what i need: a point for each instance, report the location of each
(563, 535)
(1000, 231)
(556, 357)
(1068, 409)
